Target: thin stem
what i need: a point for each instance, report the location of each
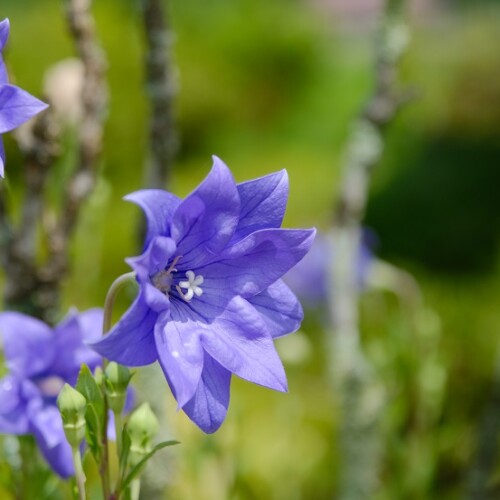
(135, 488)
(118, 431)
(115, 287)
(79, 474)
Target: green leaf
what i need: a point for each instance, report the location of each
(94, 416)
(137, 469)
(125, 451)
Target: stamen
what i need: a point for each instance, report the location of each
(163, 279)
(192, 286)
(172, 266)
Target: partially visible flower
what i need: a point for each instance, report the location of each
(16, 105)
(41, 360)
(309, 279)
(211, 299)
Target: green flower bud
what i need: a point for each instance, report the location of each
(117, 378)
(98, 377)
(141, 428)
(72, 406)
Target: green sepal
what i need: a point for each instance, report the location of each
(94, 416)
(116, 381)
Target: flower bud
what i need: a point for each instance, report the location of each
(117, 378)
(141, 428)
(72, 406)
(98, 376)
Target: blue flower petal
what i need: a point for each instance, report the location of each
(208, 407)
(46, 425)
(154, 259)
(238, 339)
(4, 32)
(17, 107)
(2, 158)
(4, 76)
(90, 322)
(252, 264)
(263, 203)
(279, 308)
(14, 394)
(206, 220)
(28, 345)
(69, 338)
(180, 356)
(131, 341)
(158, 206)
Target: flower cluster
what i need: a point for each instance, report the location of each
(211, 299)
(40, 361)
(16, 105)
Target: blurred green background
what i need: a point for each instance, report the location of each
(271, 84)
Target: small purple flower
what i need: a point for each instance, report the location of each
(211, 300)
(16, 105)
(40, 360)
(309, 279)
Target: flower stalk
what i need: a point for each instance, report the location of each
(135, 488)
(109, 302)
(79, 474)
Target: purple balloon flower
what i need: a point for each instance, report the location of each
(40, 360)
(211, 300)
(16, 105)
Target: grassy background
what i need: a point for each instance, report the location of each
(275, 84)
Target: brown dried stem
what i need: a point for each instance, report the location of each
(94, 100)
(32, 287)
(362, 397)
(160, 85)
(24, 288)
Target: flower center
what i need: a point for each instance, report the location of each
(163, 281)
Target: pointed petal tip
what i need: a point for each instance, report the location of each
(215, 426)
(283, 173)
(216, 160)
(219, 165)
(311, 234)
(4, 32)
(132, 197)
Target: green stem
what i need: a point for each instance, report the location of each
(135, 488)
(109, 302)
(118, 432)
(79, 474)
(115, 287)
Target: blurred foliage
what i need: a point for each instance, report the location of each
(273, 84)
(443, 157)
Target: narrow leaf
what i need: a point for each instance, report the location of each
(94, 416)
(135, 470)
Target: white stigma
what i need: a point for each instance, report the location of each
(192, 286)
